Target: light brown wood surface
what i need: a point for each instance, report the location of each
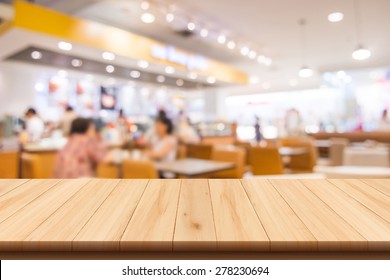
(277, 216)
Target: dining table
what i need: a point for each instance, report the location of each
(194, 219)
(366, 156)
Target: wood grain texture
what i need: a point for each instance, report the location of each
(106, 227)
(331, 231)
(368, 196)
(372, 227)
(379, 184)
(236, 223)
(195, 223)
(152, 226)
(58, 231)
(18, 198)
(283, 227)
(21, 224)
(7, 185)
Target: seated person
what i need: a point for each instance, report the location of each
(83, 151)
(164, 146)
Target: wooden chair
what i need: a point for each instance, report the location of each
(265, 161)
(200, 151)
(9, 164)
(336, 150)
(181, 152)
(38, 165)
(107, 170)
(301, 163)
(139, 169)
(237, 156)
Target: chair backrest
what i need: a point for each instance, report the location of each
(139, 169)
(38, 165)
(9, 164)
(265, 161)
(201, 151)
(305, 162)
(181, 152)
(236, 156)
(107, 170)
(336, 150)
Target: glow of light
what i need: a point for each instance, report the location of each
(169, 17)
(305, 72)
(145, 5)
(254, 80)
(221, 39)
(231, 45)
(252, 55)
(169, 70)
(36, 55)
(211, 80)
(179, 82)
(108, 56)
(39, 87)
(143, 64)
(110, 69)
(160, 78)
(77, 62)
(191, 26)
(135, 74)
(361, 54)
(336, 17)
(244, 51)
(65, 46)
(192, 76)
(341, 74)
(204, 33)
(148, 18)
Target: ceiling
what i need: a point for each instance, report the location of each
(270, 27)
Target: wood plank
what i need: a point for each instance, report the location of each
(368, 196)
(7, 185)
(59, 230)
(331, 231)
(152, 226)
(18, 198)
(367, 223)
(21, 224)
(236, 223)
(194, 223)
(106, 227)
(382, 185)
(283, 227)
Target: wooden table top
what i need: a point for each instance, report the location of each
(192, 167)
(195, 215)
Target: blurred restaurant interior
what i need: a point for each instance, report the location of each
(194, 89)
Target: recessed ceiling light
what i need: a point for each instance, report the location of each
(336, 17)
(221, 39)
(170, 17)
(192, 75)
(305, 72)
(191, 26)
(110, 69)
(244, 51)
(179, 82)
(143, 64)
(108, 56)
(135, 74)
(65, 46)
(211, 80)
(204, 33)
(145, 5)
(77, 62)
(160, 78)
(36, 55)
(231, 45)
(39, 87)
(148, 18)
(267, 61)
(361, 54)
(169, 70)
(252, 55)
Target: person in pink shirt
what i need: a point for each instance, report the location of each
(83, 151)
